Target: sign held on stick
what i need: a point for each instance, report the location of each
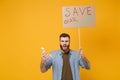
(78, 16)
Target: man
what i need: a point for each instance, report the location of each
(65, 62)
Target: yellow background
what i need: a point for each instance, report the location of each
(26, 25)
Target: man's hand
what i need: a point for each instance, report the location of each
(81, 53)
(45, 56)
(85, 60)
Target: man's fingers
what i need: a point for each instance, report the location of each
(45, 56)
(80, 50)
(81, 53)
(48, 56)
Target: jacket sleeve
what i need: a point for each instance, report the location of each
(84, 63)
(48, 63)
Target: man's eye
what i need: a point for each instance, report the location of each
(62, 41)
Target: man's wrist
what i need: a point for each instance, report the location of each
(81, 56)
(43, 62)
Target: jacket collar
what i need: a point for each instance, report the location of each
(60, 52)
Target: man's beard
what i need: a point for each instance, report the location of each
(61, 47)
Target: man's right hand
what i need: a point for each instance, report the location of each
(45, 57)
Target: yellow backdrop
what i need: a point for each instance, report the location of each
(26, 25)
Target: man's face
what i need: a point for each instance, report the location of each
(64, 43)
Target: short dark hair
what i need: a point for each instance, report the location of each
(64, 35)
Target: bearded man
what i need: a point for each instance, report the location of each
(65, 62)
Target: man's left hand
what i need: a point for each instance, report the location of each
(81, 53)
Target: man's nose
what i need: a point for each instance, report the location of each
(64, 42)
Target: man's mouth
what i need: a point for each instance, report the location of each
(64, 46)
